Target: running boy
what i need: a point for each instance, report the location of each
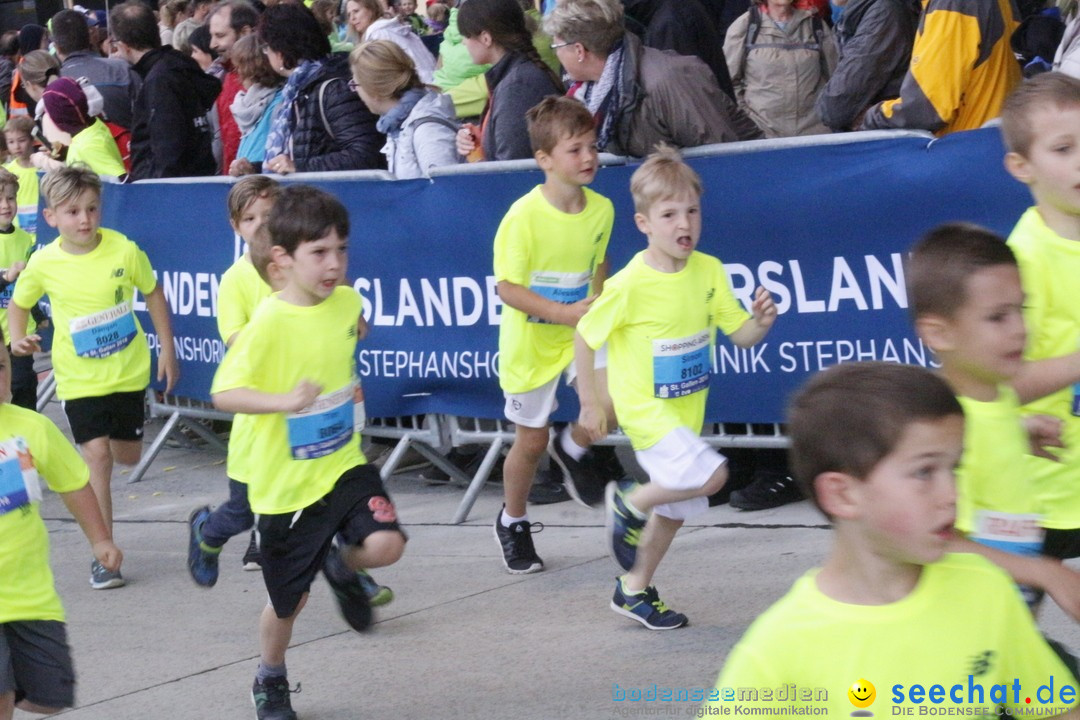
(966, 299)
(99, 353)
(18, 133)
(15, 247)
(657, 316)
(550, 264)
(1041, 126)
(293, 368)
(239, 293)
(36, 674)
(874, 446)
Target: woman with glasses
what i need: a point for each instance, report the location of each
(320, 124)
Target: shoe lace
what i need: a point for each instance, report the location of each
(277, 693)
(653, 598)
(523, 544)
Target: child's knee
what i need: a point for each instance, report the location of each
(532, 442)
(716, 481)
(96, 451)
(384, 547)
(126, 452)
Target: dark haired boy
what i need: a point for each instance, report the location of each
(550, 264)
(874, 446)
(293, 368)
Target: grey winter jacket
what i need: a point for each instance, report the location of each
(778, 77)
(672, 99)
(516, 84)
(115, 79)
(875, 38)
(421, 146)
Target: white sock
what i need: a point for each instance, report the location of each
(626, 588)
(507, 521)
(570, 447)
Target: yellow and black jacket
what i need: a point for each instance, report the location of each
(962, 68)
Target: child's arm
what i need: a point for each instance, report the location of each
(256, 402)
(1059, 581)
(763, 315)
(523, 299)
(1039, 378)
(83, 506)
(593, 419)
(168, 365)
(600, 276)
(21, 343)
(1044, 432)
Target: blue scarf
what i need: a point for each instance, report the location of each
(390, 123)
(278, 140)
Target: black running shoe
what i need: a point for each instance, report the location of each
(519, 555)
(548, 489)
(768, 490)
(252, 557)
(584, 479)
(349, 590)
(271, 699)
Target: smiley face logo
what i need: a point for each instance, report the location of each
(862, 695)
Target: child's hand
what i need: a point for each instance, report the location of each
(168, 369)
(27, 346)
(108, 555)
(465, 140)
(575, 311)
(12, 273)
(763, 309)
(302, 395)
(593, 421)
(1044, 431)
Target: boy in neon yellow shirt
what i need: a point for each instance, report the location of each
(293, 369)
(15, 247)
(20, 144)
(966, 299)
(99, 353)
(239, 293)
(657, 316)
(874, 445)
(550, 263)
(35, 663)
(1039, 124)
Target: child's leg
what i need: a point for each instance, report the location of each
(275, 633)
(7, 705)
(126, 452)
(98, 456)
(655, 541)
(380, 548)
(647, 496)
(519, 470)
(230, 518)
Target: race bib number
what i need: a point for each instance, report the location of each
(1016, 534)
(681, 367)
(324, 426)
(5, 296)
(28, 218)
(105, 333)
(19, 482)
(565, 288)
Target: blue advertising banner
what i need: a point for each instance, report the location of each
(824, 228)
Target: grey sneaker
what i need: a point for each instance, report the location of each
(102, 579)
(271, 699)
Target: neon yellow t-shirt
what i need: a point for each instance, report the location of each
(1049, 267)
(239, 293)
(554, 254)
(964, 622)
(659, 328)
(27, 197)
(993, 475)
(14, 247)
(96, 147)
(31, 447)
(98, 347)
(282, 345)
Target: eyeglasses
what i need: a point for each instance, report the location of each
(556, 46)
(352, 85)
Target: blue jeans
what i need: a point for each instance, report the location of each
(231, 518)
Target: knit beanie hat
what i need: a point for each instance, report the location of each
(65, 102)
(30, 38)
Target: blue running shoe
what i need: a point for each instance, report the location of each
(646, 607)
(623, 524)
(377, 594)
(202, 559)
